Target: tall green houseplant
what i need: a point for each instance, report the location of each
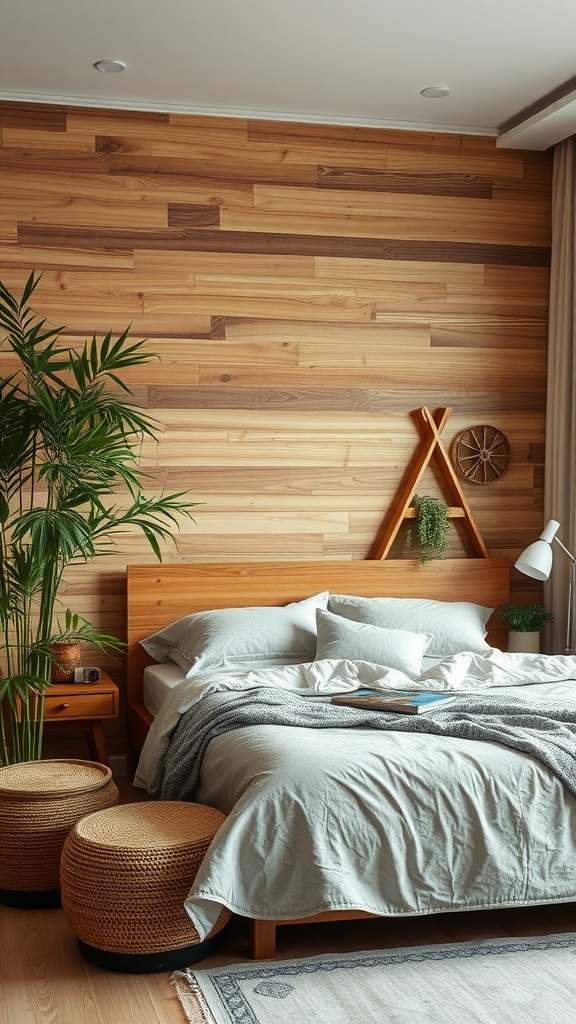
(69, 481)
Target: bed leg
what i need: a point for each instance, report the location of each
(262, 939)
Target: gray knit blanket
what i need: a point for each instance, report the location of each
(547, 733)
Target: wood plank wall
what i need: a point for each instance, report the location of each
(306, 287)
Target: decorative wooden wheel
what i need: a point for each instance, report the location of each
(482, 454)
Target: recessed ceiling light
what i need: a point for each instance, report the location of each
(110, 67)
(435, 92)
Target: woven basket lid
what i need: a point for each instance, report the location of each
(159, 824)
(52, 778)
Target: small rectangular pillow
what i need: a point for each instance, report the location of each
(340, 638)
(456, 625)
(227, 637)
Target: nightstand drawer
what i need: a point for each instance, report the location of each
(85, 705)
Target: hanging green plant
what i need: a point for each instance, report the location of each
(431, 527)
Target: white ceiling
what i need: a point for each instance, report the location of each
(355, 62)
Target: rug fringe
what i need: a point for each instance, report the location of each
(193, 1002)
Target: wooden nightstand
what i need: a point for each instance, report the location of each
(83, 707)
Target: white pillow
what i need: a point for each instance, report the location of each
(226, 637)
(341, 639)
(456, 625)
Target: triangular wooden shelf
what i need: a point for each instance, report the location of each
(430, 426)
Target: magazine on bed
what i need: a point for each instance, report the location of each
(417, 702)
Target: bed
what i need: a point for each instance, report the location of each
(483, 789)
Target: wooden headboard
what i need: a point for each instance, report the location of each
(157, 595)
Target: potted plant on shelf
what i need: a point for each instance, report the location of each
(69, 481)
(431, 529)
(525, 622)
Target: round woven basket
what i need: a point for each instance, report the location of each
(125, 874)
(40, 801)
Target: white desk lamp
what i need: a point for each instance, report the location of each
(536, 561)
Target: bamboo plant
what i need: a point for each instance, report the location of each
(69, 482)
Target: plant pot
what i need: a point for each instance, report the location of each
(523, 643)
(69, 657)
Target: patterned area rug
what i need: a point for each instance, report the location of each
(496, 981)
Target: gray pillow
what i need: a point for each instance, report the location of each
(238, 637)
(341, 638)
(456, 625)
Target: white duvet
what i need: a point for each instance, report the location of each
(391, 823)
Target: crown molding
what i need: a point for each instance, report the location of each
(99, 102)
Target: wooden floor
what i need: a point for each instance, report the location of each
(44, 980)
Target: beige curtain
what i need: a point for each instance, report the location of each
(560, 481)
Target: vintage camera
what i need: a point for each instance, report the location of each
(87, 674)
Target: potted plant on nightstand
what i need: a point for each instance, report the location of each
(65, 646)
(525, 622)
(69, 481)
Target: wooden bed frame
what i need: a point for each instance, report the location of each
(158, 595)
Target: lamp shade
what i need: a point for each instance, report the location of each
(536, 560)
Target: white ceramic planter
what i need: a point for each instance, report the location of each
(523, 643)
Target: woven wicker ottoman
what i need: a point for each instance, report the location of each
(125, 874)
(40, 801)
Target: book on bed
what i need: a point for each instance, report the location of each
(416, 702)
